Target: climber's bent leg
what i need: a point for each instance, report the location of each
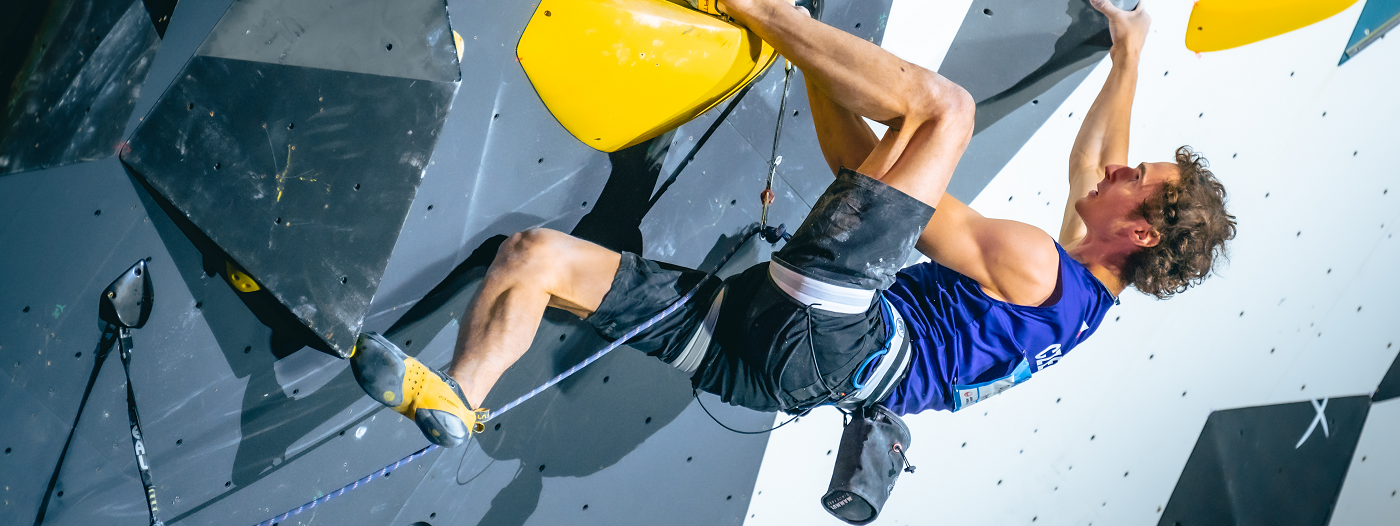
(533, 269)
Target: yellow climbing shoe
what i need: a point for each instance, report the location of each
(432, 399)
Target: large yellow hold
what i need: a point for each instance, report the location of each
(1223, 24)
(618, 72)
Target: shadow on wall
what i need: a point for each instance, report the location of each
(589, 422)
(595, 418)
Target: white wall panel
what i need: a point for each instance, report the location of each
(1102, 438)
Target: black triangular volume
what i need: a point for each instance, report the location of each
(1390, 384)
(303, 176)
(1265, 465)
(292, 145)
(160, 11)
(70, 76)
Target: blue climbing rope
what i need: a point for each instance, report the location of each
(346, 489)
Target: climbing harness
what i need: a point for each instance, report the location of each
(124, 305)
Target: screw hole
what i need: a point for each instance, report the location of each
(987, 12)
(547, 13)
(248, 349)
(561, 337)
(388, 47)
(430, 207)
(179, 442)
(344, 279)
(291, 125)
(408, 343)
(218, 165)
(857, 25)
(541, 467)
(648, 420)
(733, 201)
(357, 186)
(498, 427)
(97, 213)
(605, 379)
(198, 304)
(540, 161)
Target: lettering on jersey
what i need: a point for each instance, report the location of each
(966, 395)
(1050, 356)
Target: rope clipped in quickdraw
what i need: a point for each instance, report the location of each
(773, 234)
(124, 305)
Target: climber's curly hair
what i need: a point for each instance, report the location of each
(1192, 223)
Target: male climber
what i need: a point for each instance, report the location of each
(832, 319)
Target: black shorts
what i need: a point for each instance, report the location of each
(770, 351)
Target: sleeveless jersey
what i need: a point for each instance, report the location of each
(968, 346)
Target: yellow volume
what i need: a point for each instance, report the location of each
(1223, 24)
(618, 72)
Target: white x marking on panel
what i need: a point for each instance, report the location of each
(1321, 408)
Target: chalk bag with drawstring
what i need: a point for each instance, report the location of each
(868, 464)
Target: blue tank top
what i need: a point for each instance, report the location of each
(968, 346)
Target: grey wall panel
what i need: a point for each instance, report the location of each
(1019, 61)
(241, 425)
(407, 38)
(31, 442)
(994, 146)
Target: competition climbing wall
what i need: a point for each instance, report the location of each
(298, 171)
(1266, 395)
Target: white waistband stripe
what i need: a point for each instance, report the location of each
(694, 353)
(822, 295)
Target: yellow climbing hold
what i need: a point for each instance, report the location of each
(618, 72)
(1223, 24)
(389, 396)
(240, 281)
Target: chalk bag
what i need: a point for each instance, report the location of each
(868, 464)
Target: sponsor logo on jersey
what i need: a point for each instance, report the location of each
(1050, 356)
